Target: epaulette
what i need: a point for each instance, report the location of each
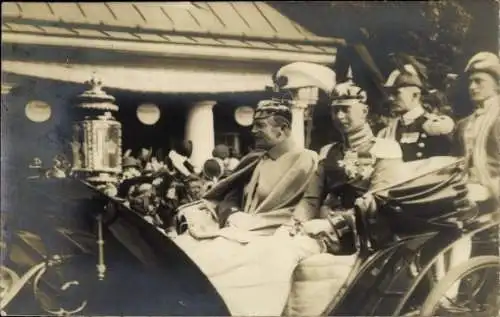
(438, 124)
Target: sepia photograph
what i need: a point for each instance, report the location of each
(250, 158)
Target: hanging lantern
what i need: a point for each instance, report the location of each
(38, 111)
(96, 144)
(244, 116)
(148, 113)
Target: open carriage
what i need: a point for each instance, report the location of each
(89, 254)
(406, 234)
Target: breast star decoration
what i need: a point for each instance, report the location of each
(357, 168)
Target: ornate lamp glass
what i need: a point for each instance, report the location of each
(96, 144)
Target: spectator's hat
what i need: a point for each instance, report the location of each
(184, 147)
(144, 188)
(221, 151)
(484, 62)
(130, 162)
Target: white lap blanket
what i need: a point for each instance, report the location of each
(253, 278)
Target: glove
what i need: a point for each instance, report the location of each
(477, 192)
(315, 227)
(240, 220)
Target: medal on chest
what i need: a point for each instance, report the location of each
(409, 137)
(356, 166)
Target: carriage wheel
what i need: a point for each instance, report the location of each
(477, 293)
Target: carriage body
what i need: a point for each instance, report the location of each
(392, 275)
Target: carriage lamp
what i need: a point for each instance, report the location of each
(96, 148)
(101, 266)
(96, 143)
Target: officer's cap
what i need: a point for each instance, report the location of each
(406, 76)
(348, 94)
(274, 107)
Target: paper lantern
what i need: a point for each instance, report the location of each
(148, 114)
(38, 111)
(244, 116)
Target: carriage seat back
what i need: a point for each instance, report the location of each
(316, 281)
(432, 202)
(435, 198)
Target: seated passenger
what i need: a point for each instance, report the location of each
(251, 267)
(263, 190)
(345, 170)
(231, 234)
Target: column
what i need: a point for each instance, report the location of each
(298, 128)
(303, 98)
(200, 130)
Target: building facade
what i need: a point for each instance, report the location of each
(194, 65)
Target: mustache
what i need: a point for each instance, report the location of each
(259, 137)
(258, 134)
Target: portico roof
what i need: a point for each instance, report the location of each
(248, 32)
(233, 24)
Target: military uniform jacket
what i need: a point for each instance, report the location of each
(343, 175)
(416, 140)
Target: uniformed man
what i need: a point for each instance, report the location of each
(421, 134)
(348, 169)
(478, 135)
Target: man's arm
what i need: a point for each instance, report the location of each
(457, 145)
(229, 205)
(308, 206)
(495, 160)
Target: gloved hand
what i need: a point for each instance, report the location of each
(478, 192)
(315, 227)
(239, 219)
